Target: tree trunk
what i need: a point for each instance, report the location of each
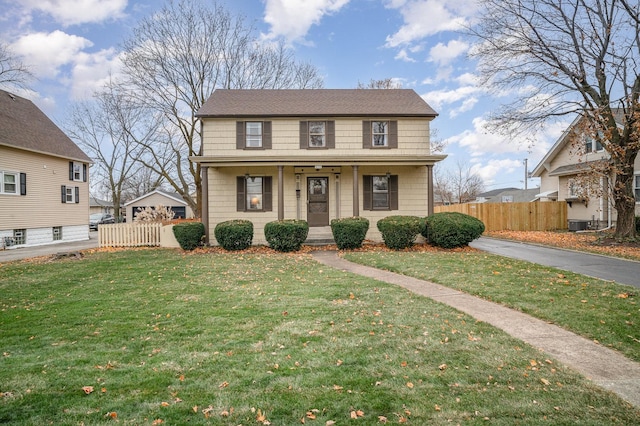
(625, 205)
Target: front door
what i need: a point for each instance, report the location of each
(318, 201)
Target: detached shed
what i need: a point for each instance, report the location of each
(159, 198)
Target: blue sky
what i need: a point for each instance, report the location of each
(72, 45)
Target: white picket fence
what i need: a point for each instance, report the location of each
(130, 235)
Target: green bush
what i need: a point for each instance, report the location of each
(234, 234)
(349, 232)
(189, 234)
(286, 235)
(452, 229)
(399, 232)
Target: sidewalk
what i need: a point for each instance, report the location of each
(48, 249)
(604, 367)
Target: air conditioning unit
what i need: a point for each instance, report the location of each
(578, 225)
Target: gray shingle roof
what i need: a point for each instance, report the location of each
(24, 126)
(315, 102)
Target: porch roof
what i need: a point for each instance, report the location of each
(387, 160)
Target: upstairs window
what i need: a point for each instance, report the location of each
(77, 171)
(8, 183)
(379, 134)
(253, 135)
(636, 187)
(592, 145)
(317, 135)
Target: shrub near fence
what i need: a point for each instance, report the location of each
(534, 216)
(129, 235)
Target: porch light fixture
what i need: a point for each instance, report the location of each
(318, 167)
(388, 175)
(246, 176)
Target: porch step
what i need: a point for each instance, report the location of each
(319, 235)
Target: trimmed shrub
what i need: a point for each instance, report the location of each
(234, 234)
(189, 234)
(399, 232)
(349, 232)
(286, 235)
(452, 229)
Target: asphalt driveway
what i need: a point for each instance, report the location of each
(594, 265)
(49, 249)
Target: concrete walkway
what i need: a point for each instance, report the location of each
(604, 367)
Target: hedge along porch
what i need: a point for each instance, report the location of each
(315, 155)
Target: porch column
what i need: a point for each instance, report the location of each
(204, 202)
(430, 198)
(356, 198)
(280, 193)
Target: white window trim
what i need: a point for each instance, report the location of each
(72, 193)
(385, 134)
(16, 177)
(77, 172)
(323, 134)
(249, 136)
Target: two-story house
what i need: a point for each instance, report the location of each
(315, 155)
(44, 189)
(569, 173)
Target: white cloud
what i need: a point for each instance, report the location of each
(92, 71)
(403, 55)
(441, 98)
(46, 53)
(73, 12)
(444, 54)
(423, 18)
(493, 168)
(292, 19)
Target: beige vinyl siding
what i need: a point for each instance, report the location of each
(220, 139)
(42, 206)
(412, 198)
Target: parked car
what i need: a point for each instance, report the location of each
(100, 219)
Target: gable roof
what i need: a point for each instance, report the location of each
(315, 103)
(24, 126)
(172, 195)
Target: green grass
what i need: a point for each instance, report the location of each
(602, 311)
(224, 338)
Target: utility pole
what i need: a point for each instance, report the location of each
(526, 173)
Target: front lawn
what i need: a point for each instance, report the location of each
(161, 337)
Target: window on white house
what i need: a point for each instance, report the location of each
(317, 134)
(592, 145)
(636, 187)
(380, 133)
(77, 172)
(8, 182)
(253, 132)
(20, 236)
(57, 233)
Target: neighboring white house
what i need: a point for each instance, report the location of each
(44, 188)
(562, 172)
(315, 155)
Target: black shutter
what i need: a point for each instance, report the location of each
(266, 135)
(267, 204)
(84, 172)
(366, 134)
(304, 134)
(23, 184)
(70, 170)
(77, 195)
(63, 191)
(393, 134)
(241, 142)
(393, 192)
(240, 198)
(367, 198)
(331, 134)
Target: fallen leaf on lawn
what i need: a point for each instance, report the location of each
(437, 407)
(224, 385)
(545, 382)
(310, 415)
(623, 296)
(382, 419)
(157, 422)
(164, 404)
(442, 367)
(111, 415)
(410, 385)
(330, 423)
(403, 364)
(87, 389)
(339, 362)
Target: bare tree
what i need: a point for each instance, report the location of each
(570, 57)
(103, 128)
(459, 184)
(173, 62)
(142, 182)
(13, 73)
(386, 83)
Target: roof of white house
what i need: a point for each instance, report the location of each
(172, 195)
(24, 126)
(315, 103)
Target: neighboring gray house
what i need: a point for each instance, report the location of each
(509, 195)
(44, 178)
(100, 206)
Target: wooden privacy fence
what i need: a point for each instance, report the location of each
(129, 235)
(534, 216)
